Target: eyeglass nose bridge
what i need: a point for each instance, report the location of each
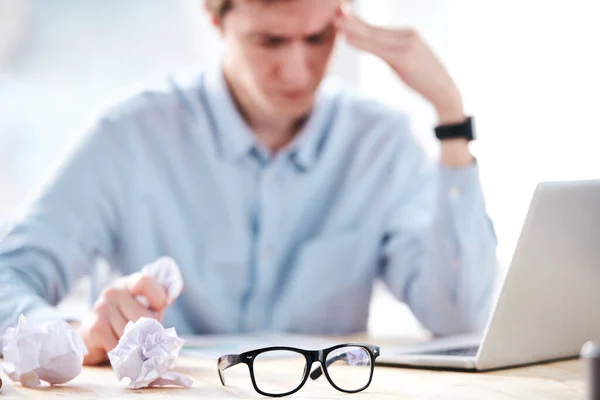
(318, 371)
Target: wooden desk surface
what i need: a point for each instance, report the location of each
(561, 380)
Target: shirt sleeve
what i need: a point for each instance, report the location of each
(439, 252)
(72, 222)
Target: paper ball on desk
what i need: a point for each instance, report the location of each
(49, 351)
(146, 353)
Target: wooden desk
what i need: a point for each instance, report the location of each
(560, 380)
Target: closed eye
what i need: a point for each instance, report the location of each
(272, 41)
(317, 39)
(320, 37)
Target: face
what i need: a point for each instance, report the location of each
(279, 51)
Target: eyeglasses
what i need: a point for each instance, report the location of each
(348, 367)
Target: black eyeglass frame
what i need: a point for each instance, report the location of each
(311, 356)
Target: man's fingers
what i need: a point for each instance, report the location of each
(125, 303)
(101, 335)
(143, 285)
(109, 340)
(392, 46)
(117, 322)
(371, 45)
(385, 36)
(381, 50)
(114, 309)
(132, 309)
(355, 27)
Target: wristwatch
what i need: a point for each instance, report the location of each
(459, 130)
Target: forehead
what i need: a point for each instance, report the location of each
(283, 17)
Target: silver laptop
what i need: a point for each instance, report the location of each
(548, 306)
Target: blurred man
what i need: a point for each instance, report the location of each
(281, 195)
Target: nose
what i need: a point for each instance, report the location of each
(295, 66)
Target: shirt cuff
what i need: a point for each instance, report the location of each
(460, 197)
(454, 182)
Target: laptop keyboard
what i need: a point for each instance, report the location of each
(458, 351)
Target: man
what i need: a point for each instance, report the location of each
(281, 197)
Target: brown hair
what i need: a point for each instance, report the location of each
(220, 7)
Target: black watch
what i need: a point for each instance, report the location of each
(459, 130)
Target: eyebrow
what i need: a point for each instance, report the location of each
(322, 32)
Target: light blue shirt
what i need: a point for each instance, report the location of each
(291, 241)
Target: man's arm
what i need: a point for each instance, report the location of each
(75, 219)
(418, 67)
(439, 255)
(439, 251)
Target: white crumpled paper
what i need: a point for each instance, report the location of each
(145, 354)
(50, 351)
(166, 272)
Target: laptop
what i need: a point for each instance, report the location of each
(547, 305)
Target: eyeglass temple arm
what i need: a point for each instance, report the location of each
(317, 372)
(225, 362)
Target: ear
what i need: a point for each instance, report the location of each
(215, 20)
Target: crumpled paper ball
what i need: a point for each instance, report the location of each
(50, 351)
(146, 353)
(166, 272)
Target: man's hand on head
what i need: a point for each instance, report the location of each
(116, 306)
(411, 58)
(415, 63)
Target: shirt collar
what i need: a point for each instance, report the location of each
(236, 139)
(234, 135)
(305, 148)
